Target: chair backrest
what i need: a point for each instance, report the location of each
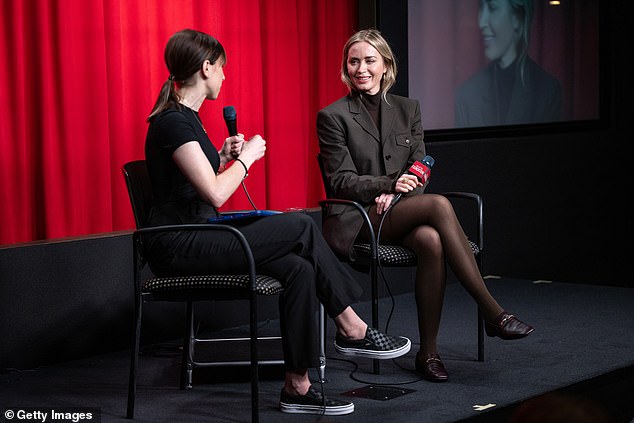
(137, 179)
(327, 189)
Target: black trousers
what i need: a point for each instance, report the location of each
(287, 246)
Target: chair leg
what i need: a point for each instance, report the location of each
(187, 366)
(134, 359)
(253, 327)
(322, 346)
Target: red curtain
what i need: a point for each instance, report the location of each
(81, 77)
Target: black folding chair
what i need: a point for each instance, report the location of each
(372, 255)
(194, 288)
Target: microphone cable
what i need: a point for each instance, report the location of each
(387, 323)
(396, 199)
(380, 266)
(368, 382)
(244, 187)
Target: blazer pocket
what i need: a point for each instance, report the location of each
(403, 140)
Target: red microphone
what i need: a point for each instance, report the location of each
(422, 171)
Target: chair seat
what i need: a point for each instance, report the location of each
(393, 255)
(265, 285)
(396, 255)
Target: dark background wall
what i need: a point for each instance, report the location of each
(556, 208)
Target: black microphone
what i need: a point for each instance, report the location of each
(422, 171)
(229, 113)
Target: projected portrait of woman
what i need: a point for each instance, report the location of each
(512, 89)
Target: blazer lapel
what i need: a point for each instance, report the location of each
(362, 117)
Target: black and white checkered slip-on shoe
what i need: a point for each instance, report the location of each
(375, 345)
(314, 403)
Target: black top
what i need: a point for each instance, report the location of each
(503, 81)
(516, 95)
(372, 103)
(176, 200)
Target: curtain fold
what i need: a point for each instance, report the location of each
(81, 77)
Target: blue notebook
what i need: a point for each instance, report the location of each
(232, 216)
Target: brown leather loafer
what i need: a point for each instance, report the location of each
(506, 326)
(431, 368)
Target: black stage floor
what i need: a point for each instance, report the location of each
(582, 351)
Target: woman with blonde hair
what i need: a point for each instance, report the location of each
(368, 139)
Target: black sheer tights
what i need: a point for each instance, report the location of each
(428, 225)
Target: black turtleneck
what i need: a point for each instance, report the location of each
(504, 82)
(373, 104)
